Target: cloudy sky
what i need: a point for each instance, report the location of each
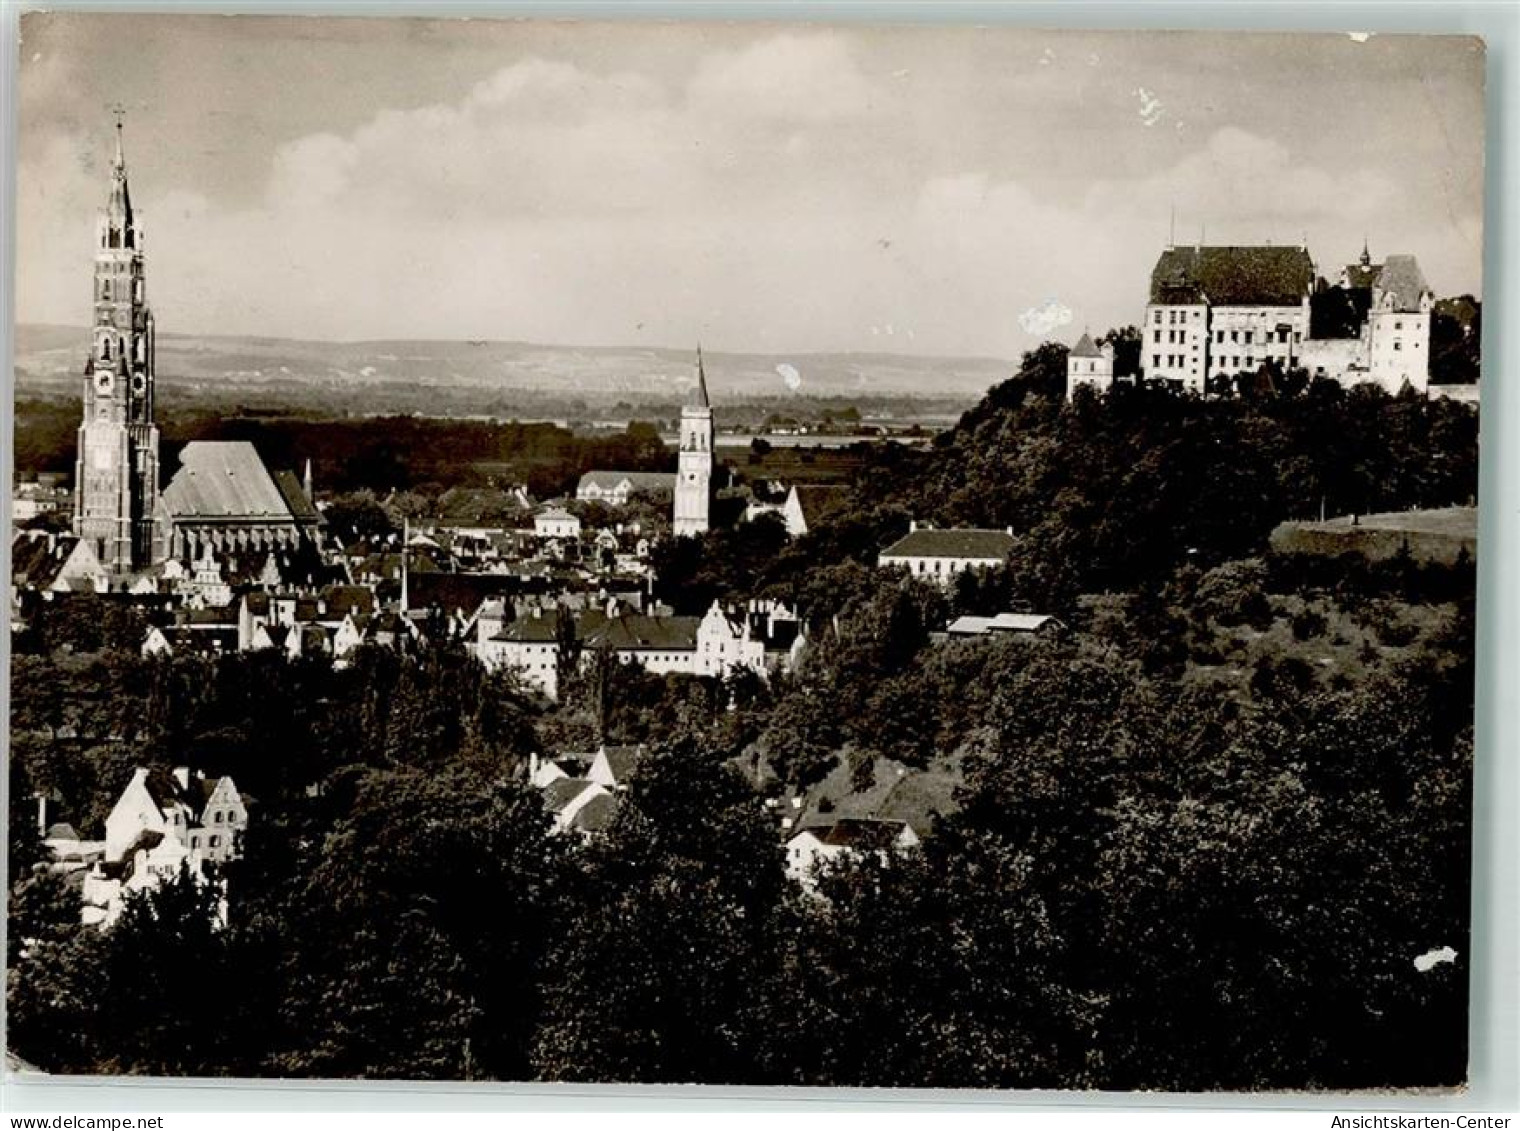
(758, 187)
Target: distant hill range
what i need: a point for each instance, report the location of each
(49, 360)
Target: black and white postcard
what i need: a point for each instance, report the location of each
(741, 553)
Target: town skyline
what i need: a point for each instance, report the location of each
(493, 225)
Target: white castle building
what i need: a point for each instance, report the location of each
(1215, 312)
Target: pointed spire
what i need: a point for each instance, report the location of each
(306, 483)
(120, 207)
(1366, 254)
(699, 394)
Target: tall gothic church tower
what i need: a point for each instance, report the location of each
(695, 470)
(116, 472)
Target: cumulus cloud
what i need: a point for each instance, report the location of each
(778, 198)
(1045, 319)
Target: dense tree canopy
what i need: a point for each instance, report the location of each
(1197, 835)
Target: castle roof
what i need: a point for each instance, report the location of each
(1402, 278)
(1232, 276)
(1085, 347)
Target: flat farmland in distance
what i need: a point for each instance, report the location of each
(1438, 535)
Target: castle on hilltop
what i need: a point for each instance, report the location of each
(1216, 312)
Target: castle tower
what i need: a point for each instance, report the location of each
(694, 472)
(1088, 364)
(116, 470)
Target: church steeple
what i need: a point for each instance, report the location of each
(1366, 254)
(116, 474)
(694, 470)
(699, 394)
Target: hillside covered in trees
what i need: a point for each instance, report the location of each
(1196, 839)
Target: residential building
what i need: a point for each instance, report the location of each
(578, 805)
(808, 503)
(556, 522)
(160, 824)
(758, 637)
(615, 488)
(810, 848)
(942, 554)
(614, 766)
(1026, 624)
(46, 562)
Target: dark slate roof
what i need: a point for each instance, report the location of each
(223, 617)
(36, 562)
(864, 833)
(992, 545)
(596, 815)
(559, 793)
(1401, 277)
(819, 499)
(1085, 347)
(1232, 276)
(224, 480)
(625, 632)
(638, 632)
(341, 599)
(1362, 276)
(476, 504)
(295, 497)
(622, 761)
(457, 592)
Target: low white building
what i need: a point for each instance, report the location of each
(810, 848)
(760, 636)
(1027, 624)
(942, 554)
(615, 488)
(556, 522)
